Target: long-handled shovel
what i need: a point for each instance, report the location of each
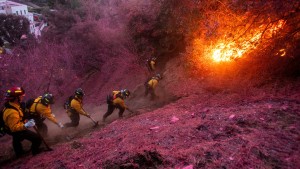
(47, 146)
(131, 112)
(96, 123)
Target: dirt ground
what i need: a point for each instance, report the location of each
(201, 130)
(196, 122)
(190, 125)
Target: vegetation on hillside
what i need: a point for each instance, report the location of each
(222, 39)
(225, 101)
(12, 27)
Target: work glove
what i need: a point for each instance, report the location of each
(89, 116)
(60, 125)
(29, 123)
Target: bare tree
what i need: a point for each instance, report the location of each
(12, 27)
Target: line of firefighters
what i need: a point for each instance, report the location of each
(19, 116)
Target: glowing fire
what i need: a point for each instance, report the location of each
(281, 52)
(226, 51)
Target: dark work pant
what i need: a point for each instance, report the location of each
(146, 89)
(110, 110)
(19, 136)
(39, 122)
(151, 91)
(42, 127)
(75, 117)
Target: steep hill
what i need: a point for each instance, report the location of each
(237, 109)
(191, 125)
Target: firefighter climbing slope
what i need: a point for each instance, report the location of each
(75, 108)
(17, 127)
(40, 110)
(151, 64)
(116, 101)
(151, 84)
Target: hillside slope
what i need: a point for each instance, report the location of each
(191, 125)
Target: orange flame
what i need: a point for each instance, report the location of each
(227, 51)
(281, 52)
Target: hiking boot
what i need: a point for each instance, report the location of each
(38, 151)
(22, 154)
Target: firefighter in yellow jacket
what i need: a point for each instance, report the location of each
(151, 84)
(2, 50)
(151, 64)
(75, 109)
(40, 110)
(116, 100)
(16, 125)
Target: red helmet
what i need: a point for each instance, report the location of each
(14, 92)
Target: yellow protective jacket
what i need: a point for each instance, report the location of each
(76, 104)
(2, 50)
(13, 119)
(117, 100)
(152, 83)
(152, 65)
(42, 110)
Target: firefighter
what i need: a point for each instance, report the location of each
(2, 50)
(17, 127)
(116, 100)
(151, 84)
(151, 64)
(76, 108)
(40, 110)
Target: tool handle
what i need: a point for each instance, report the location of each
(94, 121)
(37, 131)
(130, 110)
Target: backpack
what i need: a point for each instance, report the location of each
(3, 128)
(28, 104)
(2, 124)
(67, 104)
(25, 106)
(109, 99)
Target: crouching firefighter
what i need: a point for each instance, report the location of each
(116, 100)
(16, 125)
(39, 110)
(151, 84)
(74, 108)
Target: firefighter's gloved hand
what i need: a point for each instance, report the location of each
(89, 116)
(30, 123)
(60, 125)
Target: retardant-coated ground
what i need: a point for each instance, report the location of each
(191, 125)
